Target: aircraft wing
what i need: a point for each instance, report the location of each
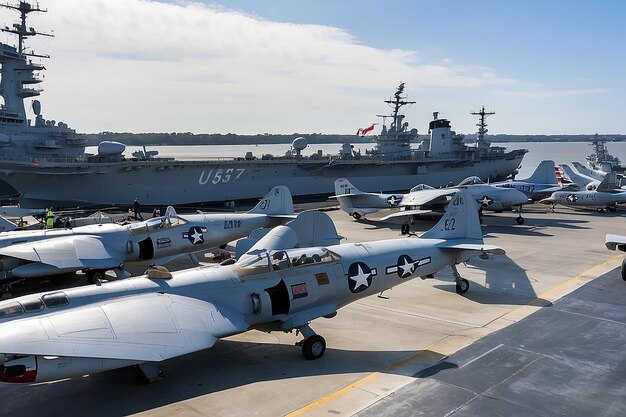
(614, 242)
(143, 327)
(66, 252)
(428, 197)
(405, 213)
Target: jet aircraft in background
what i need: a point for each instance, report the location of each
(425, 199)
(593, 173)
(96, 249)
(541, 184)
(605, 197)
(293, 275)
(582, 181)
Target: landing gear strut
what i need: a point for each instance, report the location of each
(405, 228)
(313, 345)
(462, 285)
(520, 219)
(95, 275)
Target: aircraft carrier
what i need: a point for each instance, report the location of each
(45, 163)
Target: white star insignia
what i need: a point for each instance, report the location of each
(197, 236)
(360, 279)
(406, 267)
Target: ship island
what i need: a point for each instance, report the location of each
(43, 163)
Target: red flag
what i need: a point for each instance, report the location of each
(363, 131)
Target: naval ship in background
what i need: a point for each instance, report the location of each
(601, 159)
(45, 163)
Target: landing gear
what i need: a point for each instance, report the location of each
(95, 275)
(405, 228)
(462, 285)
(356, 215)
(520, 219)
(313, 345)
(624, 269)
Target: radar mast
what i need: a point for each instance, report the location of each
(482, 126)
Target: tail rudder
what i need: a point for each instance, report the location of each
(579, 179)
(278, 201)
(460, 221)
(343, 186)
(544, 174)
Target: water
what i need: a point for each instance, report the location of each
(560, 152)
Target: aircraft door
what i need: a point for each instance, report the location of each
(279, 296)
(146, 249)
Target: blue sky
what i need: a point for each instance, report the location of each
(243, 66)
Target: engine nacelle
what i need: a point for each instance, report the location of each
(27, 369)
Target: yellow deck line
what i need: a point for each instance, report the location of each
(401, 362)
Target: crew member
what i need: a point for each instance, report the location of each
(49, 219)
(156, 213)
(136, 206)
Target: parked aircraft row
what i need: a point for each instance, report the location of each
(291, 276)
(96, 249)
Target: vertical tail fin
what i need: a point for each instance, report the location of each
(343, 186)
(579, 179)
(460, 221)
(277, 201)
(544, 174)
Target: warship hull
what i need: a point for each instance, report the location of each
(168, 182)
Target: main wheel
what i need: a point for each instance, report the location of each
(405, 229)
(520, 220)
(313, 347)
(94, 275)
(356, 215)
(624, 269)
(462, 286)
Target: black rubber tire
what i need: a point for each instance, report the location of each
(624, 269)
(94, 274)
(462, 286)
(356, 216)
(313, 347)
(405, 229)
(520, 220)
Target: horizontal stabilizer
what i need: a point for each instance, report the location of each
(470, 244)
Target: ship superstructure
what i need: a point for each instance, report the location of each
(45, 161)
(20, 137)
(601, 159)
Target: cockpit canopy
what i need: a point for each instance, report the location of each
(263, 261)
(471, 181)
(157, 223)
(422, 187)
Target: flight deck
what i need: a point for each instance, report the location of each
(540, 332)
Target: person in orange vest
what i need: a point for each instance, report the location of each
(49, 219)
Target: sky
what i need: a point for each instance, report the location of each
(301, 66)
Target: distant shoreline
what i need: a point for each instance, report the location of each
(138, 139)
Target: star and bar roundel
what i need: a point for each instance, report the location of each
(195, 235)
(360, 275)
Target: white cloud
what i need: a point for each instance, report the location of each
(139, 65)
(553, 93)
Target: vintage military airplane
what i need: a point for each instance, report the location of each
(95, 249)
(593, 173)
(541, 184)
(605, 197)
(617, 242)
(279, 284)
(582, 181)
(425, 199)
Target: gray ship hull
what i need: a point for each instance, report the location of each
(168, 182)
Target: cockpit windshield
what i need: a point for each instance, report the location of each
(471, 181)
(157, 223)
(280, 260)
